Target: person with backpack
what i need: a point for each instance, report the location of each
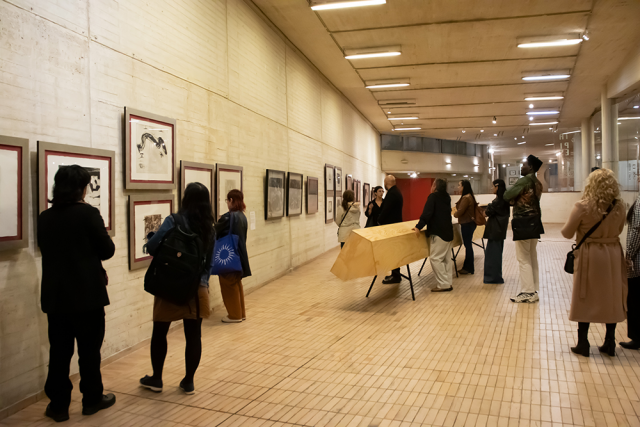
(234, 222)
(465, 211)
(347, 216)
(191, 233)
(497, 212)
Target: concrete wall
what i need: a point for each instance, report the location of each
(241, 95)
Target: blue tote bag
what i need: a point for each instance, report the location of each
(226, 258)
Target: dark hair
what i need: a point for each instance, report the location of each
(595, 168)
(238, 200)
(534, 162)
(441, 185)
(466, 189)
(347, 196)
(69, 184)
(376, 188)
(502, 187)
(196, 207)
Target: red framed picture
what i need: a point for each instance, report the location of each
(147, 212)
(14, 193)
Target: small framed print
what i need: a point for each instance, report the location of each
(294, 194)
(99, 163)
(150, 151)
(196, 172)
(14, 193)
(228, 178)
(274, 194)
(513, 180)
(366, 194)
(356, 190)
(312, 195)
(338, 180)
(146, 214)
(329, 194)
(512, 172)
(349, 183)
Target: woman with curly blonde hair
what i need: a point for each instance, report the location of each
(600, 272)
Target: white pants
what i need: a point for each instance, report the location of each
(528, 261)
(440, 260)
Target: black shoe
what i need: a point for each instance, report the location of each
(388, 277)
(583, 344)
(442, 290)
(609, 347)
(630, 345)
(188, 388)
(463, 271)
(107, 401)
(151, 384)
(391, 279)
(56, 416)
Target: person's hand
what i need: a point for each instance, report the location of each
(370, 208)
(415, 230)
(454, 210)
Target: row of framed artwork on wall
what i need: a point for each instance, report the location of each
(333, 190)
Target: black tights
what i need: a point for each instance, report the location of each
(192, 351)
(611, 329)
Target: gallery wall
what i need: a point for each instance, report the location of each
(241, 95)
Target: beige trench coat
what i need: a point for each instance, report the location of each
(600, 272)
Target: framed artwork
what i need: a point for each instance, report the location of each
(349, 183)
(338, 183)
(196, 172)
(228, 178)
(100, 164)
(513, 180)
(274, 194)
(14, 193)
(149, 151)
(512, 172)
(146, 214)
(312, 195)
(356, 190)
(366, 194)
(329, 194)
(294, 194)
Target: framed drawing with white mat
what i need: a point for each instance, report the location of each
(197, 172)
(228, 178)
(14, 193)
(146, 214)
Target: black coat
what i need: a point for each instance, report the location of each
(436, 215)
(498, 212)
(372, 218)
(239, 229)
(391, 208)
(73, 241)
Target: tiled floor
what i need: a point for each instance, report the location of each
(314, 351)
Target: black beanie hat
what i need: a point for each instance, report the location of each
(534, 162)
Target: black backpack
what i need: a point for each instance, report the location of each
(176, 268)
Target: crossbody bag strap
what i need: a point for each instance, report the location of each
(345, 215)
(595, 227)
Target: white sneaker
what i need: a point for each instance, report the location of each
(534, 297)
(226, 319)
(524, 297)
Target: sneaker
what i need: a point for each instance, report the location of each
(442, 289)
(534, 297)
(188, 388)
(525, 297)
(226, 319)
(151, 384)
(56, 416)
(107, 401)
(463, 272)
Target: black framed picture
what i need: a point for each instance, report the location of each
(294, 194)
(274, 194)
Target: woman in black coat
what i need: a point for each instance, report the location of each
(373, 209)
(496, 232)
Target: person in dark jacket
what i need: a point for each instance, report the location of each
(391, 213)
(437, 217)
(495, 232)
(231, 284)
(196, 214)
(373, 208)
(74, 241)
(465, 212)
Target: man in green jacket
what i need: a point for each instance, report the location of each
(525, 198)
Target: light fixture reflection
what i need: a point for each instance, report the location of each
(347, 4)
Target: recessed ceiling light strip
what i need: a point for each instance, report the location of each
(326, 5)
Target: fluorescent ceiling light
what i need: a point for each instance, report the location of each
(546, 145)
(407, 128)
(543, 96)
(542, 113)
(636, 106)
(402, 118)
(546, 75)
(373, 52)
(344, 4)
(573, 131)
(523, 142)
(629, 118)
(549, 41)
(397, 101)
(543, 123)
(379, 84)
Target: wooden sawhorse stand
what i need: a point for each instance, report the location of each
(413, 296)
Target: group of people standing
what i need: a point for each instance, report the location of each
(73, 241)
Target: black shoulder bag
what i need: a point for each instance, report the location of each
(530, 226)
(568, 265)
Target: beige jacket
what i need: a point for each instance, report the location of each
(351, 221)
(600, 273)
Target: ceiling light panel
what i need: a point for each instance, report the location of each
(549, 41)
(384, 84)
(544, 96)
(406, 129)
(543, 123)
(546, 75)
(372, 52)
(341, 4)
(397, 102)
(403, 118)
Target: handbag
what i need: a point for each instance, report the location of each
(226, 259)
(568, 264)
(527, 227)
(343, 217)
(478, 216)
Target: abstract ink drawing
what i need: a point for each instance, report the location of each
(93, 189)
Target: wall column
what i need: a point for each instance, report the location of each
(615, 143)
(605, 127)
(577, 161)
(587, 155)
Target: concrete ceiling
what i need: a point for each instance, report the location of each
(463, 63)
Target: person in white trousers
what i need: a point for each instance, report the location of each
(436, 215)
(525, 198)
